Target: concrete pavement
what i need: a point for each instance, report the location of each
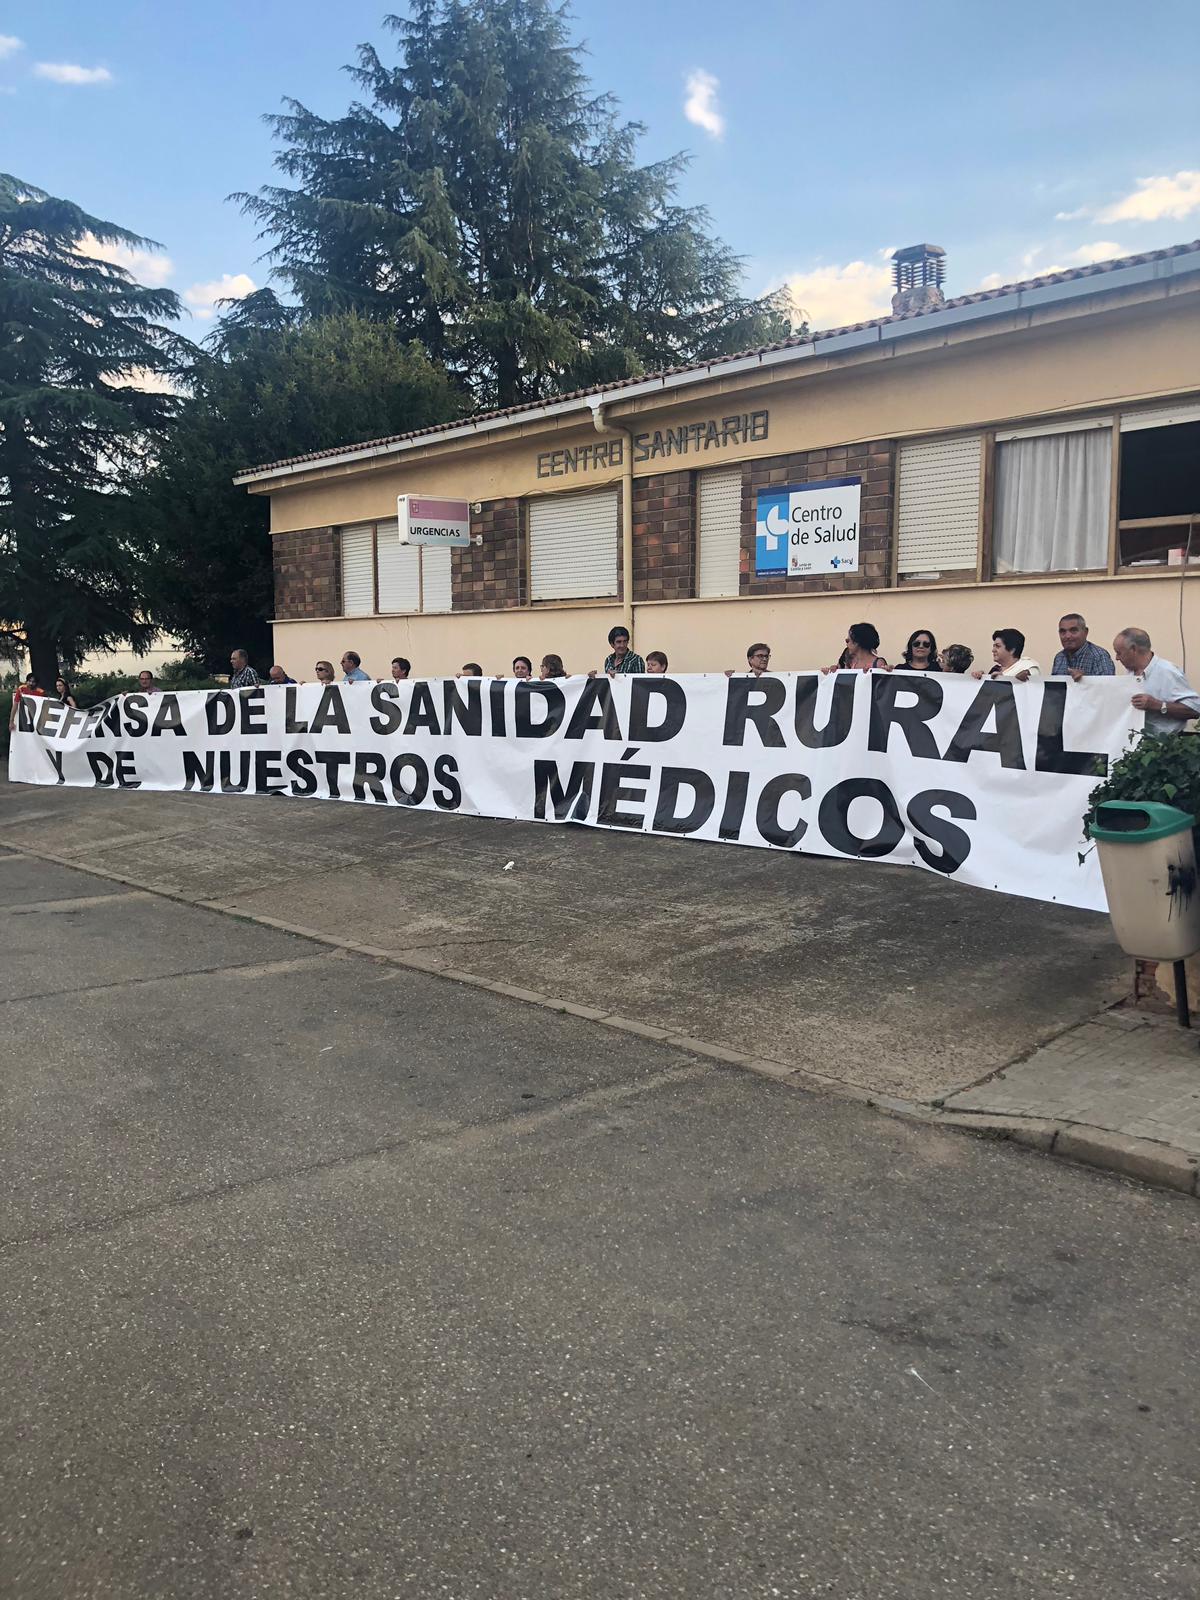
(329, 1278)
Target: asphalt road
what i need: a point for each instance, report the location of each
(322, 1278)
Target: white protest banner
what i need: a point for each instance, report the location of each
(985, 782)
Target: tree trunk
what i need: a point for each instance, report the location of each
(43, 657)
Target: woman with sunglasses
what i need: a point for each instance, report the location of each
(920, 653)
(324, 671)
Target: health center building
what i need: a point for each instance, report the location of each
(963, 465)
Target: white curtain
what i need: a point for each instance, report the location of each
(1052, 502)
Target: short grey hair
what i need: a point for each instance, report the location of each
(1137, 638)
(1073, 616)
(241, 653)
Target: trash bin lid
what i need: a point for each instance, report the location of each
(1138, 821)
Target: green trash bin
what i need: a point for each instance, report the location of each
(1148, 860)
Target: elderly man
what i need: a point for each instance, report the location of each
(146, 683)
(278, 675)
(1077, 658)
(242, 674)
(353, 668)
(1167, 698)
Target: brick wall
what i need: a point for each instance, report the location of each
(664, 537)
(491, 576)
(874, 463)
(308, 573)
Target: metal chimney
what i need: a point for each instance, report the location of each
(917, 273)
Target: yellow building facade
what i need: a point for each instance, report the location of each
(1013, 455)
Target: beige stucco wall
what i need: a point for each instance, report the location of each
(959, 379)
(803, 631)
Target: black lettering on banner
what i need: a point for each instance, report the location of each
(740, 710)
(49, 714)
(56, 756)
(841, 710)
(110, 720)
(253, 711)
(199, 771)
(445, 772)
(114, 771)
(220, 713)
(1051, 757)
(167, 717)
(468, 712)
(332, 760)
(833, 817)
(420, 772)
(92, 719)
(703, 799)
(26, 716)
(766, 815)
(304, 779)
(995, 695)
(614, 791)
(642, 692)
(912, 719)
(73, 716)
(292, 723)
(735, 805)
(422, 713)
(331, 711)
(369, 771)
(384, 697)
(555, 703)
(955, 842)
(496, 699)
(574, 801)
(594, 712)
(229, 783)
(136, 720)
(268, 772)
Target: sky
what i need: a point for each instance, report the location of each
(1023, 138)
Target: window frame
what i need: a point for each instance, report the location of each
(374, 525)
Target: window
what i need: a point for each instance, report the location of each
(358, 570)
(381, 574)
(937, 514)
(573, 546)
(1052, 504)
(1159, 503)
(719, 502)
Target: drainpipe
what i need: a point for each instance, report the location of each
(603, 424)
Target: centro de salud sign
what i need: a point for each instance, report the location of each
(688, 439)
(807, 529)
(424, 520)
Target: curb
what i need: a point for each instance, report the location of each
(1141, 1159)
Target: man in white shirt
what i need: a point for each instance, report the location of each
(1167, 698)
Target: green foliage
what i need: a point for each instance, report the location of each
(486, 202)
(267, 388)
(81, 350)
(1162, 766)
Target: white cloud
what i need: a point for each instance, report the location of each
(8, 43)
(68, 72)
(829, 297)
(1155, 198)
(1102, 250)
(1030, 267)
(149, 267)
(701, 106)
(202, 297)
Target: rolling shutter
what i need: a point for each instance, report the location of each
(358, 571)
(938, 508)
(435, 579)
(1161, 416)
(399, 571)
(719, 499)
(573, 546)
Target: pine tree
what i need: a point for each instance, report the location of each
(481, 199)
(268, 385)
(80, 342)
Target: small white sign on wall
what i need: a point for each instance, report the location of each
(425, 520)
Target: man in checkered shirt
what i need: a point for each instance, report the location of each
(1079, 657)
(243, 675)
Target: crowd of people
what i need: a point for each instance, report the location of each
(1166, 697)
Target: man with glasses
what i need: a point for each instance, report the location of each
(352, 667)
(758, 660)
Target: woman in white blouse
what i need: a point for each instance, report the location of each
(1009, 658)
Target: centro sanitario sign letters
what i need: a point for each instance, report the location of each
(689, 439)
